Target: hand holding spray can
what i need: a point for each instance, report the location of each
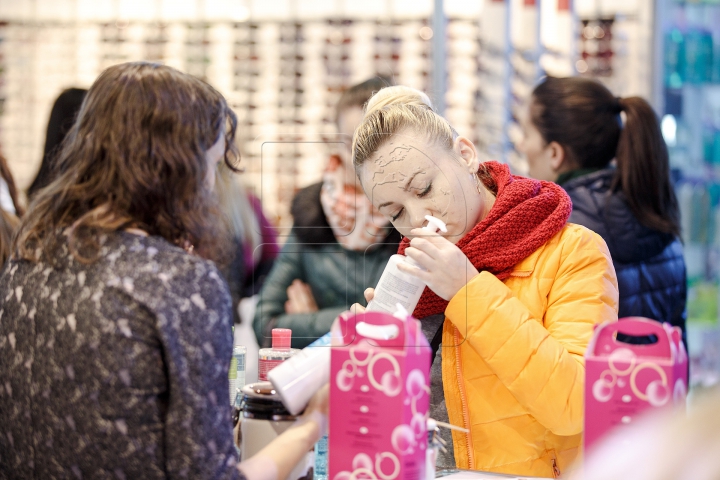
(396, 287)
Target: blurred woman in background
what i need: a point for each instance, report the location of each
(609, 155)
(62, 117)
(254, 238)
(338, 246)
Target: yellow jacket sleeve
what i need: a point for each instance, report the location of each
(539, 358)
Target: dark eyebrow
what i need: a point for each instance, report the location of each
(412, 177)
(405, 188)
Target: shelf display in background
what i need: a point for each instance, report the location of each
(3, 79)
(596, 48)
(281, 77)
(692, 44)
(690, 77)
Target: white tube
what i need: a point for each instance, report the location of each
(298, 378)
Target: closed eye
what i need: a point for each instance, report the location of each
(425, 192)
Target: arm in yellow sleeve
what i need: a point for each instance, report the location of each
(540, 360)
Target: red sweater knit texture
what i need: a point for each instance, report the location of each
(526, 214)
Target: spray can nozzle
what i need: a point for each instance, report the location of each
(434, 224)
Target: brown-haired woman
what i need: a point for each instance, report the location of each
(115, 338)
(574, 129)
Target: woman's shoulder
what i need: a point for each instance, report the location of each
(156, 268)
(574, 235)
(576, 240)
(152, 250)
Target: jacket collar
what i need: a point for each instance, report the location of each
(564, 178)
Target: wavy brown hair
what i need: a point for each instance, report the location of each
(135, 158)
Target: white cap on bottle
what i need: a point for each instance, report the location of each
(434, 224)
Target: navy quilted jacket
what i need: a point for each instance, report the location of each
(649, 264)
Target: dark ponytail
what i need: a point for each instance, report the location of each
(643, 168)
(584, 118)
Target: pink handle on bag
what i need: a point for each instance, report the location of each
(606, 340)
(350, 334)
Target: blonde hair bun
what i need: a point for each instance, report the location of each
(398, 95)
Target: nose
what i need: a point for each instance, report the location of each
(417, 217)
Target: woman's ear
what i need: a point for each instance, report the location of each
(465, 149)
(558, 159)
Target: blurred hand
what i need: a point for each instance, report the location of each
(300, 298)
(317, 409)
(447, 269)
(369, 294)
(319, 402)
(356, 307)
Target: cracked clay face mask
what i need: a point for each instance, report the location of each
(407, 179)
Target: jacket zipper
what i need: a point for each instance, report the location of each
(463, 402)
(556, 470)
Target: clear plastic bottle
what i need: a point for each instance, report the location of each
(396, 287)
(321, 459)
(236, 375)
(269, 358)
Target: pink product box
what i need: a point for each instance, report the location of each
(380, 378)
(631, 365)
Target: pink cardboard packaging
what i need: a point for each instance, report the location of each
(625, 379)
(379, 399)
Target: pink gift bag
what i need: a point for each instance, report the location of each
(379, 399)
(631, 365)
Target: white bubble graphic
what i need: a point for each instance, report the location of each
(419, 425)
(344, 381)
(622, 361)
(391, 383)
(384, 462)
(658, 393)
(403, 439)
(415, 383)
(680, 391)
(362, 460)
(601, 391)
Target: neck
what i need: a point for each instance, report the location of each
(488, 203)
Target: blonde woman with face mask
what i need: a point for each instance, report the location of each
(513, 290)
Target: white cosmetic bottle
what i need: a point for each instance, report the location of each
(396, 287)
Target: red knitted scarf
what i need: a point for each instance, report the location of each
(526, 214)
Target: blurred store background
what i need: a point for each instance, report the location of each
(283, 63)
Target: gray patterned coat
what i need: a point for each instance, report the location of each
(116, 369)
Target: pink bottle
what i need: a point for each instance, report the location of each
(269, 358)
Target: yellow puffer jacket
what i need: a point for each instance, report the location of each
(513, 368)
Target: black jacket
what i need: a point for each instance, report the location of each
(649, 264)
